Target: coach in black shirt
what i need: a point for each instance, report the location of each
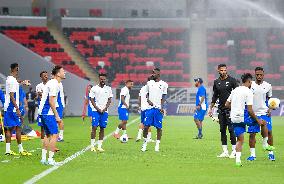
(221, 90)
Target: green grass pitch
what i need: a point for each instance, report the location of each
(181, 159)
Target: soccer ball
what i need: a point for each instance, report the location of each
(124, 138)
(273, 103)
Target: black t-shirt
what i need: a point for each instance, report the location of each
(222, 90)
(30, 96)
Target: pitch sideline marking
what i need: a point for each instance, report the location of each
(68, 159)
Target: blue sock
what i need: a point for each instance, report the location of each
(199, 131)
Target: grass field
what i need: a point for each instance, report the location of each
(181, 159)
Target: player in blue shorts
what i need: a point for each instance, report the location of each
(240, 101)
(12, 115)
(201, 106)
(49, 114)
(157, 90)
(100, 95)
(123, 108)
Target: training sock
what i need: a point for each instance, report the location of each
(20, 146)
(124, 132)
(50, 156)
(117, 130)
(140, 131)
(238, 156)
(199, 131)
(149, 135)
(225, 148)
(93, 142)
(233, 148)
(100, 143)
(252, 152)
(8, 147)
(43, 154)
(61, 134)
(264, 142)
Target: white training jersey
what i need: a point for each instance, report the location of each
(143, 97)
(260, 94)
(240, 97)
(124, 92)
(40, 87)
(12, 86)
(156, 90)
(51, 89)
(101, 96)
(60, 98)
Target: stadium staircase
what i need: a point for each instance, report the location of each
(72, 52)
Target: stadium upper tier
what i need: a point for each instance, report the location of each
(39, 40)
(243, 49)
(131, 53)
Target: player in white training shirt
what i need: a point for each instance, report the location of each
(144, 106)
(100, 96)
(262, 91)
(157, 91)
(49, 114)
(123, 108)
(240, 101)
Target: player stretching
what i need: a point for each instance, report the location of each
(39, 90)
(201, 106)
(49, 114)
(60, 105)
(12, 114)
(144, 106)
(156, 90)
(123, 108)
(240, 101)
(262, 91)
(100, 95)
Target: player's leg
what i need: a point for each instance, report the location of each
(8, 140)
(95, 124)
(149, 119)
(232, 135)
(158, 120)
(252, 142)
(60, 125)
(103, 123)
(268, 141)
(19, 141)
(239, 130)
(140, 131)
(123, 116)
(149, 135)
(223, 130)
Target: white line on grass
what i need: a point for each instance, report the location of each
(68, 159)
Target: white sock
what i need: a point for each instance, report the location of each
(145, 142)
(252, 152)
(225, 148)
(51, 154)
(8, 147)
(140, 131)
(100, 143)
(238, 156)
(158, 143)
(264, 142)
(43, 154)
(124, 132)
(233, 148)
(117, 130)
(149, 135)
(93, 142)
(61, 134)
(20, 146)
(271, 152)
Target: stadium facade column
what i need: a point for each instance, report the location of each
(198, 49)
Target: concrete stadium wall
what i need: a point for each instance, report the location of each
(22, 21)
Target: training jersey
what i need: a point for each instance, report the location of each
(124, 92)
(143, 97)
(201, 92)
(51, 89)
(12, 86)
(39, 89)
(261, 93)
(101, 96)
(60, 97)
(156, 90)
(240, 97)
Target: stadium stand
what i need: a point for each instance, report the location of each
(39, 40)
(242, 49)
(131, 53)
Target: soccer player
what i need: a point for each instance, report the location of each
(123, 108)
(87, 104)
(100, 96)
(60, 105)
(201, 106)
(221, 90)
(49, 114)
(262, 91)
(157, 90)
(12, 114)
(39, 90)
(144, 106)
(240, 101)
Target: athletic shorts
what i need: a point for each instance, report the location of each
(254, 126)
(239, 128)
(123, 114)
(199, 115)
(143, 115)
(154, 117)
(60, 112)
(99, 119)
(39, 123)
(49, 124)
(11, 119)
(90, 111)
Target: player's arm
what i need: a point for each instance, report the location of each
(139, 101)
(214, 99)
(86, 101)
(13, 100)
(107, 105)
(122, 97)
(52, 104)
(163, 100)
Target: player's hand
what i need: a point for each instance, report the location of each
(18, 112)
(162, 111)
(261, 122)
(269, 112)
(83, 117)
(150, 103)
(104, 110)
(210, 114)
(58, 120)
